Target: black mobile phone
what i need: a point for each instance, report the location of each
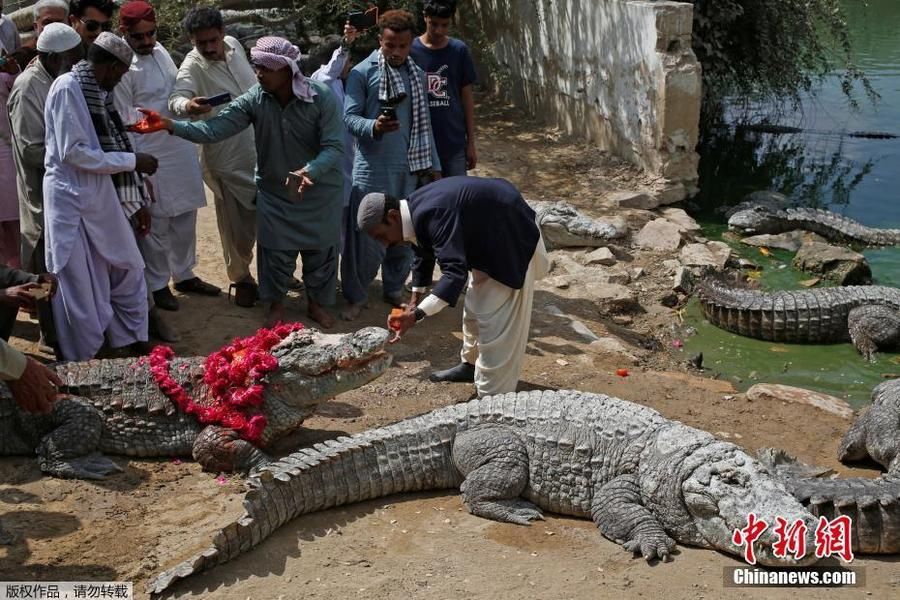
(223, 98)
(363, 20)
(388, 111)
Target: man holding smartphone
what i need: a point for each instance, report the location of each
(218, 64)
(386, 110)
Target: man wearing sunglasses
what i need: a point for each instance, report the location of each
(90, 18)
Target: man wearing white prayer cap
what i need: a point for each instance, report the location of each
(94, 195)
(59, 47)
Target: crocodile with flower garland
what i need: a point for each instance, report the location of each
(222, 408)
(646, 481)
(867, 315)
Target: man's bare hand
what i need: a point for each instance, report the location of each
(198, 106)
(36, 390)
(400, 321)
(52, 280)
(18, 296)
(145, 163)
(299, 182)
(140, 221)
(471, 156)
(385, 125)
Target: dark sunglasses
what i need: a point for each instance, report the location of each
(92, 25)
(149, 35)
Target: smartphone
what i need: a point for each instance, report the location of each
(363, 20)
(223, 98)
(389, 111)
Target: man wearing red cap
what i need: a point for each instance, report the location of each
(169, 250)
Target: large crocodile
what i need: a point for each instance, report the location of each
(872, 504)
(646, 481)
(866, 315)
(116, 406)
(767, 218)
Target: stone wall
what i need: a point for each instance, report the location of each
(619, 72)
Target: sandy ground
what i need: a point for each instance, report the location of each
(419, 546)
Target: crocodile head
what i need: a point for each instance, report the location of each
(723, 486)
(756, 220)
(315, 366)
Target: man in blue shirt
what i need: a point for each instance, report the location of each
(386, 110)
(451, 73)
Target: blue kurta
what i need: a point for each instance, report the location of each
(302, 134)
(381, 164)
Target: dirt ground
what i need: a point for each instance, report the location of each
(421, 546)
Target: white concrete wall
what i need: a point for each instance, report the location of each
(619, 72)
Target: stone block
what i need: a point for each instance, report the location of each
(659, 234)
(841, 265)
(639, 200)
(711, 255)
(600, 256)
(681, 218)
(786, 393)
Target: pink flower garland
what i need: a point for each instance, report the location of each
(234, 375)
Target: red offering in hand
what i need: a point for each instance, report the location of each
(394, 318)
(150, 123)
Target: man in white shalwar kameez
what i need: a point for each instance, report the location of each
(92, 188)
(218, 64)
(169, 250)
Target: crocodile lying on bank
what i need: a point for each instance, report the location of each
(872, 504)
(116, 406)
(759, 219)
(868, 315)
(563, 226)
(646, 481)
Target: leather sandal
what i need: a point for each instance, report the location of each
(246, 293)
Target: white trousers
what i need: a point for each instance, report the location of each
(496, 321)
(96, 299)
(169, 250)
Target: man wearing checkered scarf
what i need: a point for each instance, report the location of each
(386, 110)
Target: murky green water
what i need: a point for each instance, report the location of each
(854, 176)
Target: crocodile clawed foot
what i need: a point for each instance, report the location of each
(651, 545)
(518, 511)
(90, 466)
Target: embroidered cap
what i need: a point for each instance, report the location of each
(115, 46)
(371, 211)
(57, 37)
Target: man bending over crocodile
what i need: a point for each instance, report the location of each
(468, 225)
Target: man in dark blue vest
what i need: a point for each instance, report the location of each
(468, 224)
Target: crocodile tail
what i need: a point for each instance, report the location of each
(413, 455)
(872, 504)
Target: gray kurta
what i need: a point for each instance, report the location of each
(26, 115)
(301, 134)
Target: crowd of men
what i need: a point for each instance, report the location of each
(103, 180)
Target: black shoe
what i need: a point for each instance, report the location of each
(195, 285)
(165, 299)
(461, 373)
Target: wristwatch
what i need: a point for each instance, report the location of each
(420, 314)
